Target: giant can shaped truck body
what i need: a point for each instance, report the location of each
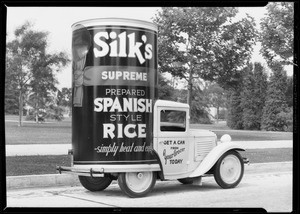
(114, 90)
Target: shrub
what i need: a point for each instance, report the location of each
(223, 114)
(55, 113)
(30, 118)
(286, 118)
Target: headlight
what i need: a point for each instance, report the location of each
(225, 138)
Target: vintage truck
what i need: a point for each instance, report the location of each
(182, 153)
(121, 130)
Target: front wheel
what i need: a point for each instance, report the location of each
(137, 184)
(229, 170)
(95, 183)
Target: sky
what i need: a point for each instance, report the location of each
(58, 20)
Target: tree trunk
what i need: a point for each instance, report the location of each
(20, 107)
(190, 89)
(36, 117)
(189, 92)
(36, 110)
(218, 114)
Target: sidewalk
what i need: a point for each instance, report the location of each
(62, 149)
(266, 144)
(37, 149)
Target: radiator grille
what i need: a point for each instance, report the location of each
(202, 148)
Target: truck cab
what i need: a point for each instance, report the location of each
(180, 148)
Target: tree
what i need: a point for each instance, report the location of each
(289, 91)
(276, 109)
(259, 93)
(64, 97)
(234, 101)
(235, 110)
(216, 97)
(277, 33)
(199, 106)
(30, 67)
(247, 105)
(17, 62)
(11, 95)
(43, 79)
(253, 96)
(165, 91)
(203, 43)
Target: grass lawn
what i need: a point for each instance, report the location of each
(35, 165)
(23, 165)
(60, 132)
(33, 133)
(268, 155)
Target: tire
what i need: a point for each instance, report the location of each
(137, 184)
(229, 170)
(95, 184)
(186, 180)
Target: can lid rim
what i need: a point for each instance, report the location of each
(115, 21)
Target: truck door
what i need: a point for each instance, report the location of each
(172, 140)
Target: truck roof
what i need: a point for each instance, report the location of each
(168, 103)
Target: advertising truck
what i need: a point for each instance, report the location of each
(121, 130)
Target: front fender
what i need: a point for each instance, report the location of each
(213, 156)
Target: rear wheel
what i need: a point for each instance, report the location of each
(95, 183)
(229, 170)
(137, 184)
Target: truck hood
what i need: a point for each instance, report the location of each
(201, 133)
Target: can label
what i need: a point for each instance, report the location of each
(114, 89)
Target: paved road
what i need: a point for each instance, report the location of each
(269, 190)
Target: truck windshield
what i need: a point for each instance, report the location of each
(172, 120)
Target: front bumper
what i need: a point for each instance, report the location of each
(246, 160)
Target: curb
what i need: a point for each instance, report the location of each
(54, 180)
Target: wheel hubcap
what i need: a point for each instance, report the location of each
(139, 182)
(230, 169)
(140, 175)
